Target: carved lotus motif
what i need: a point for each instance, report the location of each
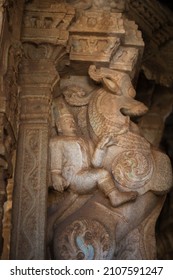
(83, 239)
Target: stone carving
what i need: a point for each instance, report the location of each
(37, 78)
(116, 121)
(84, 239)
(99, 22)
(124, 160)
(92, 48)
(37, 23)
(88, 36)
(125, 58)
(70, 162)
(131, 166)
(30, 170)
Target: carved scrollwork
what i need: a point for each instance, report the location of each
(84, 240)
(132, 169)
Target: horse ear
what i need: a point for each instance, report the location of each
(112, 85)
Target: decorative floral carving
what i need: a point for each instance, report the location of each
(132, 169)
(83, 240)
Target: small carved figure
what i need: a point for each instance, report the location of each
(72, 166)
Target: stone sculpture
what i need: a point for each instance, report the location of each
(84, 224)
(70, 162)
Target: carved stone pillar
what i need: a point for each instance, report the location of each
(37, 78)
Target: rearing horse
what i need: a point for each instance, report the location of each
(132, 161)
(87, 226)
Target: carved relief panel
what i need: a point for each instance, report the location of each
(47, 24)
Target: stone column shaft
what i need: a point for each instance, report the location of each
(30, 187)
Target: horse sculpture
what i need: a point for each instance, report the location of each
(84, 224)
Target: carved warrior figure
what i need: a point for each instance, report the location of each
(85, 225)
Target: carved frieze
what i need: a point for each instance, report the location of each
(93, 48)
(125, 59)
(99, 23)
(47, 25)
(88, 36)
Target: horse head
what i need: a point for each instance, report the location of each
(113, 104)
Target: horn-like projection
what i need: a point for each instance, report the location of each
(95, 74)
(106, 77)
